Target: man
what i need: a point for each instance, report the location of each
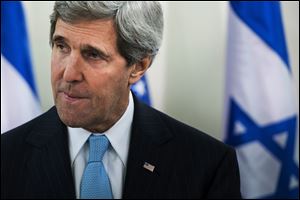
(99, 141)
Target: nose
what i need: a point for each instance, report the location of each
(73, 69)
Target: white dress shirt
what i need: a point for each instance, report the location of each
(115, 158)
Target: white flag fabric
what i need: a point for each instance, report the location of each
(19, 99)
(261, 114)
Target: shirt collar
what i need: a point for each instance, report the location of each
(118, 135)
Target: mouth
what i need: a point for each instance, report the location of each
(71, 98)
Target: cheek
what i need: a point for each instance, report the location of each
(99, 84)
(53, 69)
(56, 72)
(107, 84)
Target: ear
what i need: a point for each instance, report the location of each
(138, 69)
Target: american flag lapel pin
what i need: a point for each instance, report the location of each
(149, 167)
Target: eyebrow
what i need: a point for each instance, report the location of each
(101, 53)
(58, 38)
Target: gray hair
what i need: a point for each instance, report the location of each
(139, 24)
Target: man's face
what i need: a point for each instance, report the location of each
(90, 79)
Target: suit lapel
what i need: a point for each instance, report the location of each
(148, 138)
(48, 164)
(50, 173)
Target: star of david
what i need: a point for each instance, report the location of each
(265, 135)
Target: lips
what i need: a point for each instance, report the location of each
(73, 95)
(72, 98)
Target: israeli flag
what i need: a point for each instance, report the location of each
(140, 89)
(19, 99)
(261, 115)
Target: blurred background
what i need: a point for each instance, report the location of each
(187, 78)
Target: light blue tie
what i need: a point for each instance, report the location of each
(95, 182)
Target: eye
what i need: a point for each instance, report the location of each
(92, 54)
(62, 47)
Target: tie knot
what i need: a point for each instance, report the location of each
(98, 146)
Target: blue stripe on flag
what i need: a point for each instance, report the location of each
(14, 43)
(264, 19)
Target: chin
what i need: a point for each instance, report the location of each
(70, 119)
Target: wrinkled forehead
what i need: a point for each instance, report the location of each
(100, 32)
(93, 28)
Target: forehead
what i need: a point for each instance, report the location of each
(101, 31)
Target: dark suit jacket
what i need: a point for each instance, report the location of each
(35, 160)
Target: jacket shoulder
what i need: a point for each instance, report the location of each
(189, 135)
(18, 135)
